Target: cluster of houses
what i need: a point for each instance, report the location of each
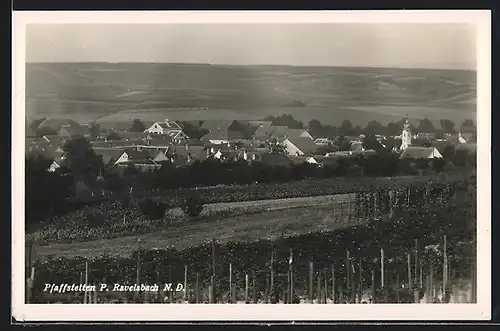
(166, 142)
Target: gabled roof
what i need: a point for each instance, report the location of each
(266, 132)
(163, 140)
(306, 145)
(326, 160)
(108, 154)
(75, 129)
(144, 154)
(29, 132)
(180, 155)
(418, 152)
(131, 135)
(166, 125)
(56, 123)
(222, 130)
(217, 125)
(261, 123)
(278, 132)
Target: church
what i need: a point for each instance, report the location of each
(413, 152)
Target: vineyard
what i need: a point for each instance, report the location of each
(122, 217)
(413, 242)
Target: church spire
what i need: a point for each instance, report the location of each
(405, 135)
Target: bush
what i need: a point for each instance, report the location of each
(192, 206)
(152, 209)
(95, 218)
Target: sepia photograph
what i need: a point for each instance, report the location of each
(186, 164)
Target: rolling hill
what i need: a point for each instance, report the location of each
(115, 92)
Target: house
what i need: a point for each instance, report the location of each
(420, 153)
(300, 146)
(323, 142)
(73, 130)
(56, 163)
(223, 131)
(260, 123)
(185, 155)
(357, 146)
(54, 124)
(169, 128)
(425, 135)
(322, 161)
(138, 155)
(279, 133)
(109, 155)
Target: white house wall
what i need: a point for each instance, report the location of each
(291, 148)
(122, 159)
(155, 128)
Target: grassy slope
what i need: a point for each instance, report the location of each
(120, 92)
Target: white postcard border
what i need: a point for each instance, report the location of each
(259, 312)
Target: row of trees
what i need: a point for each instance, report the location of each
(318, 129)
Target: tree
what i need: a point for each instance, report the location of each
(137, 126)
(426, 126)
(95, 130)
(374, 127)
(81, 159)
(371, 142)
(468, 126)
(343, 144)
(288, 121)
(447, 126)
(449, 152)
(113, 136)
(438, 165)
(154, 210)
(315, 127)
(192, 205)
(426, 144)
(193, 131)
(346, 128)
(394, 129)
(45, 192)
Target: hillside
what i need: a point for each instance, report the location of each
(114, 92)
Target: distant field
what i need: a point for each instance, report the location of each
(114, 92)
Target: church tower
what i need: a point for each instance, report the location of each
(405, 135)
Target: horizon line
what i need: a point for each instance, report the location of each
(255, 65)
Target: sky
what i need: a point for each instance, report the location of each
(412, 45)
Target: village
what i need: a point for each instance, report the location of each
(147, 146)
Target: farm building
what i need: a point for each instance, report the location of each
(279, 133)
(300, 146)
(73, 130)
(169, 128)
(223, 131)
(420, 153)
(54, 124)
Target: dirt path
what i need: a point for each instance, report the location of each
(275, 204)
(270, 224)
